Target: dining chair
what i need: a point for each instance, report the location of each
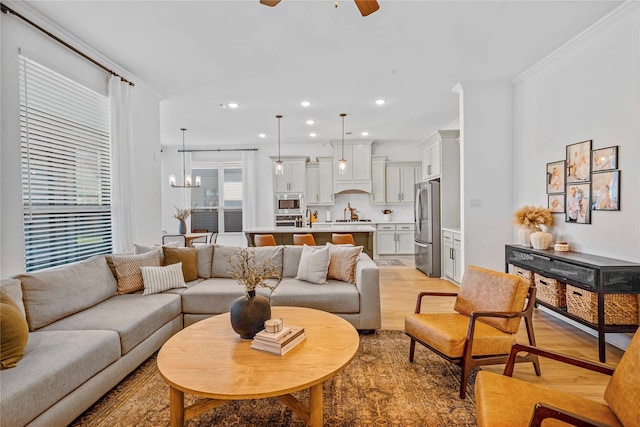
(340, 239)
(180, 238)
(304, 239)
(264, 240)
(483, 324)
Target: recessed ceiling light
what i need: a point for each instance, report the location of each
(305, 103)
(364, 133)
(232, 105)
(262, 135)
(381, 101)
(310, 122)
(313, 134)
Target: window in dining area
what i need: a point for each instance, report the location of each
(218, 201)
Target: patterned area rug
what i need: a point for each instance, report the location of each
(379, 388)
(388, 262)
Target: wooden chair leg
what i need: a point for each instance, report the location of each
(466, 368)
(412, 349)
(528, 322)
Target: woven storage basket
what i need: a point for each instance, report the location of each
(619, 309)
(550, 291)
(524, 273)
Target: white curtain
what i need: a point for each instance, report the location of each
(249, 194)
(122, 167)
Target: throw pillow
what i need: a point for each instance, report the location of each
(187, 256)
(143, 249)
(314, 264)
(342, 262)
(128, 270)
(14, 332)
(159, 279)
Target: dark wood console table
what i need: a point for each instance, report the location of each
(590, 272)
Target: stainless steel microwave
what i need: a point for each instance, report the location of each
(289, 203)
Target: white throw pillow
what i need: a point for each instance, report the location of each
(314, 264)
(159, 279)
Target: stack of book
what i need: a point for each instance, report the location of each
(279, 342)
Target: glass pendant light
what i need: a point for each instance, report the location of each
(278, 163)
(342, 163)
(186, 179)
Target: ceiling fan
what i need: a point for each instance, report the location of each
(366, 7)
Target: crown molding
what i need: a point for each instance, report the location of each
(597, 28)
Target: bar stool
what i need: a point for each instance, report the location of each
(340, 239)
(304, 239)
(264, 240)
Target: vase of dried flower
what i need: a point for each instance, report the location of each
(524, 235)
(182, 227)
(248, 314)
(541, 240)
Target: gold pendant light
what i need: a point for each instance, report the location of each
(278, 164)
(186, 179)
(342, 163)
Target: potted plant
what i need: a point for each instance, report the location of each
(182, 215)
(387, 214)
(530, 218)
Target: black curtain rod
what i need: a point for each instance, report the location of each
(6, 9)
(217, 149)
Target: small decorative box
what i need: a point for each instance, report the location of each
(561, 247)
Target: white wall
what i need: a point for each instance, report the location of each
(590, 89)
(17, 34)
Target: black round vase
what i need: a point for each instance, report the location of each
(248, 314)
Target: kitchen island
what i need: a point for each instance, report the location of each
(363, 235)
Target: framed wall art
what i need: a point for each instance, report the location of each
(555, 177)
(605, 193)
(604, 159)
(578, 203)
(578, 162)
(555, 203)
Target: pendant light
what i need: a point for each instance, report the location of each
(186, 179)
(278, 164)
(342, 163)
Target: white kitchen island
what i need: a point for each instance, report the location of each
(363, 235)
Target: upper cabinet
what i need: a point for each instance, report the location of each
(358, 172)
(320, 182)
(378, 180)
(401, 181)
(432, 150)
(292, 179)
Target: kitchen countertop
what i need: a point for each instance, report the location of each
(452, 230)
(318, 227)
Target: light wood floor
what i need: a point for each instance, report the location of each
(399, 287)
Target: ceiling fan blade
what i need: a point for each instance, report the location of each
(367, 7)
(269, 3)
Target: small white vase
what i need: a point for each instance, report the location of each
(541, 240)
(524, 233)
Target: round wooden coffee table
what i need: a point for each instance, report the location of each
(210, 360)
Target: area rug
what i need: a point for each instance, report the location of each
(379, 388)
(388, 262)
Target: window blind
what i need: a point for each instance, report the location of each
(66, 168)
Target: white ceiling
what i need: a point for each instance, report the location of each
(200, 54)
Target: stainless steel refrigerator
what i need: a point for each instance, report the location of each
(427, 228)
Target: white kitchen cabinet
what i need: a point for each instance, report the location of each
(378, 180)
(358, 172)
(451, 251)
(401, 180)
(395, 239)
(319, 186)
(292, 179)
(431, 161)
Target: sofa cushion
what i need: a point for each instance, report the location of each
(224, 257)
(507, 401)
(342, 262)
(334, 296)
(291, 260)
(186, 256)
(54, 364)
(13, 289)
(133, 316)
(204, 258)
(143, 249)
(80, 286)
(314, 263)
(160, 279)
(14, 332)
(214, 296)
(128, 270)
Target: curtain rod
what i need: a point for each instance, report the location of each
(217, 149)
(6, 9)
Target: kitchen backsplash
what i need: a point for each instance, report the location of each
(360, 202)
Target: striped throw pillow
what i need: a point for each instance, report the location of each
(159, 279)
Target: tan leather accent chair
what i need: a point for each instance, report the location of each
(304, 239)
(264, 240)
(482, 326)
(342, 239)
(502, 400)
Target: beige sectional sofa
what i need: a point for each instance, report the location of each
(84, 338)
